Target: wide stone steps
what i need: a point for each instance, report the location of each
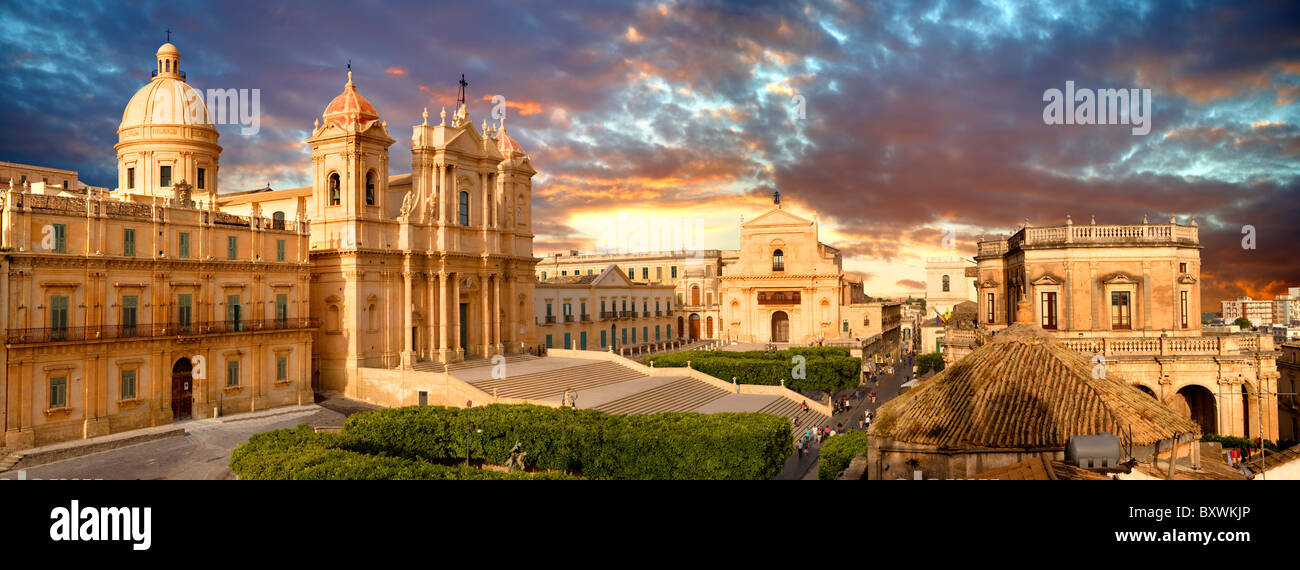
(7, 462)
(431, 366)
(682, 395)
(788, 408)
(551, 383)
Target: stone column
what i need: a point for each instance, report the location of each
(458, 351)
(487, 314)
(431, 314)
(407, 302)
(496, 309)
(443, 316)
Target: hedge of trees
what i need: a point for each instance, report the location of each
(826, 368)
(838, 451)
(426, 443)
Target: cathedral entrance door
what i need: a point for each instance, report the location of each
(464, 325)
(695, 327)
(182, 389)
(780, 327)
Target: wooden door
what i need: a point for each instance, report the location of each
(182, 390)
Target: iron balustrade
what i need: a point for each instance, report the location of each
(152, 330)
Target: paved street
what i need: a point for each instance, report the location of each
(886, 388)
(202, 453)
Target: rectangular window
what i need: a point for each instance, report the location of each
(604, 341)
(990, 308)
(564, 273)
(645, 272)
(233, 312)
(673, 271)
(60, 238)
(659, 273)
(1182, 267)
(568, 341)
(281, 368)
(128, 384)
(582, 340)
(58, 317)
(199, 183)
(279, 250)
(645, 334)
(1183, 302)
(657, 327)
(130, 178)
(183, 245)
(1049, 310)
(281, 307)
(624, 336)
(232, 247)
(232, 373)
(669, 333)
(59, 392)
(184, 308)
(549, 344)
(633, 335)
(130, 304)
(631, 273)
(128, 242)
(548, 309)
(1121, 314)
(164, 176)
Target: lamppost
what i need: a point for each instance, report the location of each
(468, 425)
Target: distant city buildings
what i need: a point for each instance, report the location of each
(949, 281)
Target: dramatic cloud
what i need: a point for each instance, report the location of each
(888, 121)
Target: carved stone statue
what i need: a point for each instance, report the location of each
(407, 203)
(516, 460)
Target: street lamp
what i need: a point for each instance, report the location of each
(478, 430)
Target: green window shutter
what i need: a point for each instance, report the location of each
(232, 247)
(279, 250)
(128, 242)
(281, 306)
(130, 308)
(603, 340)
(233, 311)
(549, 344)
(281, 368)
(59, 313)
(183, 245)
(184, 308)
(60, 238)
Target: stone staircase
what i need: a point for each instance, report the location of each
(8, 461)
(788, 408)
(681, 395)
(552, 383)
(471, 362)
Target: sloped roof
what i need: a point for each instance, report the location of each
(570, 280)
(1024, 390)
(1041, 469)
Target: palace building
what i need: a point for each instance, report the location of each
(603, 310)
(1128, 295)
(140, 306)
(163, 299)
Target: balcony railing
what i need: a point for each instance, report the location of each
(627, 313)
(550, 319)
(586, 318)
(568, 318)
(152, 330)
(609, 314)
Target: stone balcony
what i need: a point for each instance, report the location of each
(1092, 234)
(962, 341)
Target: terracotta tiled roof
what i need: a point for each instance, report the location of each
(508, 146)
(1024, 390)
(570, 280)
(1041, 469)
(351, 108)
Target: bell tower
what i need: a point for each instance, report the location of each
(349, 153)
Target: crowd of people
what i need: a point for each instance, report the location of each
(864, 394)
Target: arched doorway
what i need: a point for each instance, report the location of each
(708, 328)
(1145, 390)
(695, 326)
(613, 340)
(780, 327)
(681, 327)
(1197, 403)
(182, 389)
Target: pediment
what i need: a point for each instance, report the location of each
(1120, 279)
(776, 217)
(1187, 279)
(988, 284)
(1047, 279)
(612, 276)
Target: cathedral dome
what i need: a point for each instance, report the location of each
(508, 147)
(350, 108)
(167, 99)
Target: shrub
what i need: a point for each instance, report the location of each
(413, 442)
(300, 454)
(656, 446)
(1233, 442)
(926, 362)
(838, 451)
(828, 368)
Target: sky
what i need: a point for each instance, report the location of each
(892, 123)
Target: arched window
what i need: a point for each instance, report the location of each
(370, 188)
(945, 283)
(866, 321)
(778, 260)
(464, 208)
(372, 317)
(277, 221)
(336, 195)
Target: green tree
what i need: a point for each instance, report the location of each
(1244, 323)
(926, 362)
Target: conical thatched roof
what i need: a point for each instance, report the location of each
(1024, 390)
